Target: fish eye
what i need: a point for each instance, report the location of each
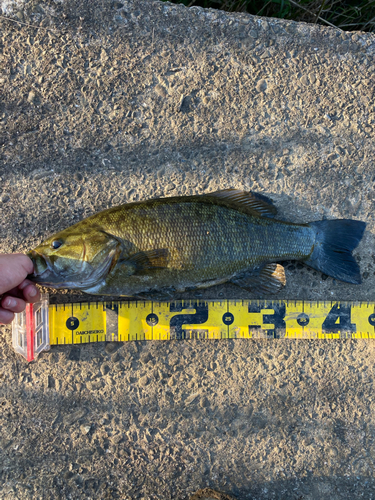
(56, 244)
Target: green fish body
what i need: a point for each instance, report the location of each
(180, 243)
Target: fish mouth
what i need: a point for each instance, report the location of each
(42, 267)
(45, 274)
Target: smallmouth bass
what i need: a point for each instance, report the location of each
(182, 243)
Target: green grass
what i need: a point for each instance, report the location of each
(348, 15)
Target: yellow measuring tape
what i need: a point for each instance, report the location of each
(42, 325)
(79, 323)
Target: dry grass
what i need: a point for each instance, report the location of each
(350, 15)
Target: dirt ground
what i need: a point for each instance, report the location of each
(104, 102)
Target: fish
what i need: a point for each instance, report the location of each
(191, 242)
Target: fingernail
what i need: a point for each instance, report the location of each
(33, 291)
(10, 302)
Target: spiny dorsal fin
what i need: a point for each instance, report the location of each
(150, 259)
(269, 279)
(253, 203)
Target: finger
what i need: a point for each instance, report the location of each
(13, 304)
(20, 290)
(24, 284)
(6, 317)
(13, 270)
(15, 292)
(31, 293)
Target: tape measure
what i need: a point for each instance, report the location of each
(43, 325)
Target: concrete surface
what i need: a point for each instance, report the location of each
(106, 102)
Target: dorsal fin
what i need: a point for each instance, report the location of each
(252, 203)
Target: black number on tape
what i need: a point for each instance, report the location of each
(276, 319)
(197, 318)
(339, 320)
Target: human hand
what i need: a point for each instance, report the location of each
(17, 290)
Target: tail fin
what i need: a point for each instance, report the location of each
(332, 254)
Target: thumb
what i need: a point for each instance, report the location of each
(13, 270)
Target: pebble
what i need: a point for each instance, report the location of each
(31, 97)
(117, 439)
(111, 347)
(143, 381)
(85, 452)
(40, 174)
(261, 85)
(20, 15)
(191, 398)
(204, 403)
(73, 417)
(115, 357)
(104, 369)
(265, 54)
(50, 382)
(332, 452)
(160, 90)
(85, 429)
(94, 386)
(145, 358)
(104, 420)
(5, 198)
(78, 177)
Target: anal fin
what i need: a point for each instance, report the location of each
(269, 279)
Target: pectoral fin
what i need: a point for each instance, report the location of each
(141, 263)
(269, 279)
(152, 259)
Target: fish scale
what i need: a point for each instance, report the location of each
(232, 236)
(199, 252)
